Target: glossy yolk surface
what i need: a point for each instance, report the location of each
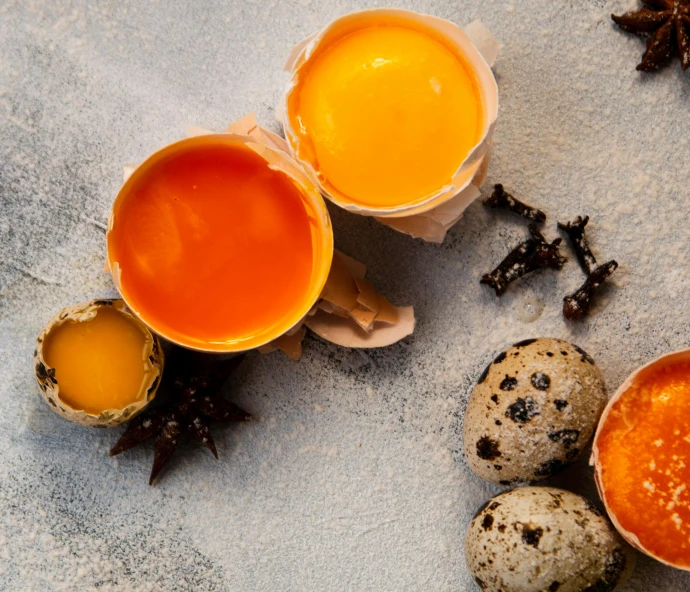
(644, 449)
(387, 114)
(213, 246)
(100, 363)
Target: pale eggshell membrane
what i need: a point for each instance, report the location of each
(152, 356)
(596, 460)
(350, 313)
(471, 171)
(272, 149)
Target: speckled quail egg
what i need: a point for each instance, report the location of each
(542, 539)
(534, 409)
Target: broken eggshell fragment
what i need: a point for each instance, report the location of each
(641, 458)
(427, 216)
(350, 313)
(152, 359)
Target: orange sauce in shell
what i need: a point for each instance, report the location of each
(213, 246)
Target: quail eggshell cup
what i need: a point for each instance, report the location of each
(152, 360)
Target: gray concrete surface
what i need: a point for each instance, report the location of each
(353, 478)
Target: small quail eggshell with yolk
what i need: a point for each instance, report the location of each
(533, 411)
(152, 355)
(542, 539)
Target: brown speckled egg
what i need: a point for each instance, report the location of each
(542, 539)
(533, 411)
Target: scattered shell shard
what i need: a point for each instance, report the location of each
(350, 313)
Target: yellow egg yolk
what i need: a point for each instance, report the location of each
(387, 114)
(644, 458)
(99, 363)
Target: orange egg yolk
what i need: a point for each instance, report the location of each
(100, 363)
(386, 114)
(213, 246)
(644, 454)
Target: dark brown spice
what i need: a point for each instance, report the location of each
(576, 233)
(530, 255)
(192, 382)
(577, 305)
(501, 199)
(667, 24)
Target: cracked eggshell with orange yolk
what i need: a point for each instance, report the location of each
(641, 456)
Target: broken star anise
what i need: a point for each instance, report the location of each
(192, 400)
(667, 23)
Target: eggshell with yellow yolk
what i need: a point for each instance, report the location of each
(454, 37)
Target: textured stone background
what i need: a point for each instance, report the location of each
(353, 477)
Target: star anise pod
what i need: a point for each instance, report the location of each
(667, 23)
(191, 389)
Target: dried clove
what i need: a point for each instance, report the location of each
(576, 233)
(530, 255)
(576, 306)
(501, 199)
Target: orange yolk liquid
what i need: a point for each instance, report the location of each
(644, 450)
(213, 246)
(99, 364)
(387, 114)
